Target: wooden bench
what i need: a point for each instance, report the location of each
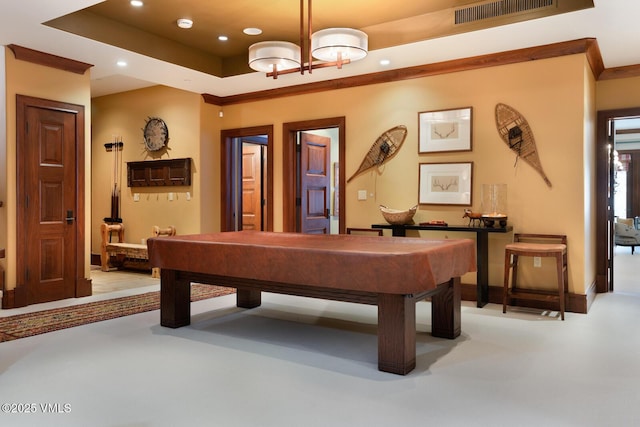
(132, 255)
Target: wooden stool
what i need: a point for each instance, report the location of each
(536, 245)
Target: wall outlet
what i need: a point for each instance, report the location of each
(362, 194)
(537, 261)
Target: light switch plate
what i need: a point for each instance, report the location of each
(362, 194)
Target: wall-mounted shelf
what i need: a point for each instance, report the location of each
(157, 173)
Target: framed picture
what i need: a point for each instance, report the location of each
(445, 184)
(445, 130)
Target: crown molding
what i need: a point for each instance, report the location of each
(48, 60)
(620, 72)
(588, 46)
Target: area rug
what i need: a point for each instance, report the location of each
(40, 322)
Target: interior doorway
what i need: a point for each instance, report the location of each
(251, 182)
(313, 151)
(247, 179)
(610, 126)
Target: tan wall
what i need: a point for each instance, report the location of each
(29, 79)
(210, 125)
(556, 96)
(551, 94)
(590, 179)
(193, 132)
(618, 93)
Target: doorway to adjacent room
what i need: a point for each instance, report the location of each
(247, 179)
(313, 181)
(618, 143)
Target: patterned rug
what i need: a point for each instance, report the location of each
(40, 322)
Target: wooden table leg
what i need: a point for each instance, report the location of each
(248, 298)
(175, 300)
(445, 310)
(396, 333)
(482, 254)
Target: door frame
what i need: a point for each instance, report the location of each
(603, 216)
(82, 285)
(289, 163)
(226, 168)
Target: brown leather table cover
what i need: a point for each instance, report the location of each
(395, 265)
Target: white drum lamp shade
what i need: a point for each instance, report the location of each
(263, 56)
(326, 44)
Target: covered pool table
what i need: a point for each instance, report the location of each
(390, 272)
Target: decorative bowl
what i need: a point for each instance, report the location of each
(398, 217)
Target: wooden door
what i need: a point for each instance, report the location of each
(251, 187)
(315, 183)
(50, 257)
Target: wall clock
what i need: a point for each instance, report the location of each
(156, 134)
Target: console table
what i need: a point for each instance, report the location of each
(482, 249)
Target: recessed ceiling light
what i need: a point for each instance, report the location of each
(185, 23)
(136, 3)
(223, 38)
(252, 31)
(121, 63)
(385, 62)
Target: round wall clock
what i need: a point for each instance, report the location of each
(156, 134)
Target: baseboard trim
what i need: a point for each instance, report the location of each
(8, 300)
(95, 259)
(575, 303)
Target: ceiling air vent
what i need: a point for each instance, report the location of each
(498, 8)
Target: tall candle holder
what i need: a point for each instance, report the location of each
(494, 205)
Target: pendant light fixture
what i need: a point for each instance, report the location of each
(274, 56)
(335, 44)
(332, 46)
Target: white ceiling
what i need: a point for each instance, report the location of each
(614, 23)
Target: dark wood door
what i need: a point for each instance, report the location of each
(49, 195)
(251, 187)
(315, 183)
